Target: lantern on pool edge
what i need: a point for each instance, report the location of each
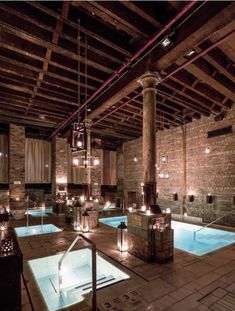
(122, 237)
(85, 222)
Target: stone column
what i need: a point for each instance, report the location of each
(17, 165)
(149, 81)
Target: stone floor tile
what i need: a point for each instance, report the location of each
(199, 268)
(179, 277)
(189, 303)
(209, 300)
(207, 278)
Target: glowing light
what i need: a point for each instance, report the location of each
(79, 144)
(143, 208)
(130, 209)
(96, 161)
(148, 212)
(96, 200)
(82, 198)
(61, 180)
(168, 210)
(208, 149)
(75, 162)
(135, 159)
(17, 199)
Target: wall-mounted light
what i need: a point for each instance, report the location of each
(143, 208)
(135, 159)
(175, 196)
(209, 199)
(207, 149)
(190, 197)
(168, 210)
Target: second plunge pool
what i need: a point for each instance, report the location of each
(76, 277)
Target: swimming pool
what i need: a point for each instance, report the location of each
(38, 212)
(33, 230)
(77, 277)
(207, 240)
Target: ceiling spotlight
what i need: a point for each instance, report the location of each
(190, 53)
(113, 107)
(42, 116)
(88, 109)
(166, 43)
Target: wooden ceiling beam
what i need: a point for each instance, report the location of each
(200, 70)
(210, 19)
(86, 31)
(53, 47)
(108, 13)
(131, 5)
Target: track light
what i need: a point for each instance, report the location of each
(167, 43)
(190, 53)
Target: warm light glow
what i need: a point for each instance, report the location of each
(143, 208)
(96, 200)
(122, 247)
(91, 199)
(75, 161)
(148, 212)
(79, 144)
(82, 198)
(168, 210)
(142, 184)
(2, 228)
(166, 175)
(130, 209)
(43, 205)
(185, 214)
(208, 149)
(96, 161)
(61, 180)
(17, 199)
(135, 159)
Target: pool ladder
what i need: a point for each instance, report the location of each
(212, 222)
(93, 250)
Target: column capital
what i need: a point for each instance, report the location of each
(88, 123)
(149, 79)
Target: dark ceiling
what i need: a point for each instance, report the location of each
(43, 46)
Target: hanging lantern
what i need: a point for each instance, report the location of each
(78, 137)
(85, 222)
(122, 237)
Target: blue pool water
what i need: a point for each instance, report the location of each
(76, 277)
(33, 230)
(207, 240)
(38, 212)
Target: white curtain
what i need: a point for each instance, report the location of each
(37, 161)
(77, 175)
(4, 158)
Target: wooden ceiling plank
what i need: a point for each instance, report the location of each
(109, 16)
(134, 8)
(83, 29)
(55, 48)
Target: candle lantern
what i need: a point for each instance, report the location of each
(85, 222)
(7, 245)
(4, 218)
(122, 237)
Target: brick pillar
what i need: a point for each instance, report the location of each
(60, 166)
(17, 165)
(149, 81)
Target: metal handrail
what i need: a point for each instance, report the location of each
(93, 249)
(207, 225)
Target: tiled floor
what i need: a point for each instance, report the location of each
(188, 283)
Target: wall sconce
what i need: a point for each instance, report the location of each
(164, 158)
(208, 149)
(175, 196)
(122, 237)
(143, 208)
(209, 199)
(85, 222)
(190, 197)
(135, 159)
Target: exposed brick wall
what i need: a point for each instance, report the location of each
(212, 172)
(17, 165)
(59, 164)
(96, 174)
(120, 171)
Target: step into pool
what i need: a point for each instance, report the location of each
(207, 240)
(34, 230)
(76, 277)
